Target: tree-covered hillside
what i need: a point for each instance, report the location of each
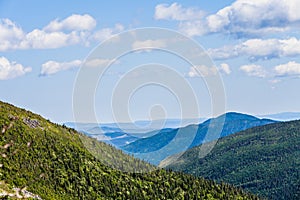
(51, 161)
(264, 160)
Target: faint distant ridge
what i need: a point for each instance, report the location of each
(147, 148)
(137, 126)
(123, 133)
(284, 116)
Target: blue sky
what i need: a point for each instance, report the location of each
(255, 45)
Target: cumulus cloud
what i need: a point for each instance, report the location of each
(242, 18)
(106, 33)
(257, 49)
(98, 62)
(71, 23)
(75, 29)
(202, 71)
(10, 70)
(39, 39)
(225, 68)
(253, 17)
(176, 12)
(289, 69)
(13, 37)
(10, 34)
(148, 44)
(10, 30)
(52, 67)
(254, 70)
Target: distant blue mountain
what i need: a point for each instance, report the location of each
(171, 141)
(120, 134)
(284, 116)
(140, 126)
(143, 140)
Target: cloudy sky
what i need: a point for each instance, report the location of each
(255, 45)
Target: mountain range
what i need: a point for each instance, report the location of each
(264, 160)
(284, 116)
(122, 134)
(50, 161)
(166, 142)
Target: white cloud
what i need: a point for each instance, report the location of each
(242, 18)
(193, 28)
(10, 30)
(13, 37)
(225, 68)
(252, 17)
(39, 39)
(202, 71)
(72, 23)
(176, 12)
(191, 19)
(259, 49)
(106, 33)
(254, 70)
(52, 67)
(97, 62)
(75, 29)
(149, 44)
(10, 34)
(10, 70)
(289, 69)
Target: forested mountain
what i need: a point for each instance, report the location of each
(52, 161)
(264, 160)
(150, 148)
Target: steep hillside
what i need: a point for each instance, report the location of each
(51, 161)
(233, 122)
(264, 160)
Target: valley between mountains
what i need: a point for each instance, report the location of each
(253, 158)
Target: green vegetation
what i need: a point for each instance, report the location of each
(263, 160)
(51, 161)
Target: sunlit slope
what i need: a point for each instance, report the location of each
(51, 161)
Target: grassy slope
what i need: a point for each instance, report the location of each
(264, 160)
(51, 161)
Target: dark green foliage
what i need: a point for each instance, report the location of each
(51, 161)
(264, 160)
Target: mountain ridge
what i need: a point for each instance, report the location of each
(263, 160)
(53, 162)
(283, 116)
(229, 123)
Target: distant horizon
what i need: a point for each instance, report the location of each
(146, 120)
(200, 118)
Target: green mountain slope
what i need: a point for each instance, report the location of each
(264, 160)
(51, 161)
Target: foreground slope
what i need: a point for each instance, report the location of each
(50, 161)
(264, 160)
(230, 123)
